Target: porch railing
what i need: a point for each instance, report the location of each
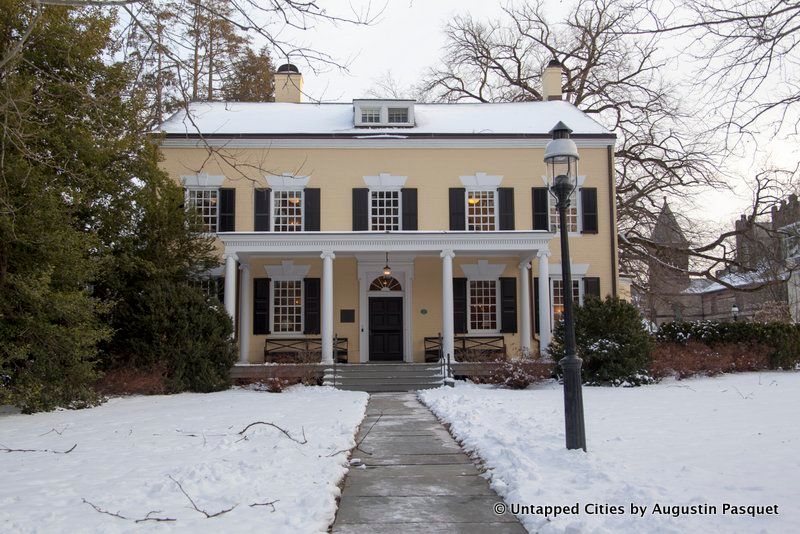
(290, 350)
(465, 345)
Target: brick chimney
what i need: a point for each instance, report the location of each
(288, 84)
(551, 81)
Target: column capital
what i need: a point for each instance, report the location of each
(227, 255)
(327, 254)
(244, 266)
(447, 254)
(525, 264)
(543, 254)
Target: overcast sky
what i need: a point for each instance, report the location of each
(407, 38)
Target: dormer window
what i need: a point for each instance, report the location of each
(398, 115)
(386, 113)
(371, 115)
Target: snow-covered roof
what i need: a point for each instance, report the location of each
(744, 279)
(275, 119)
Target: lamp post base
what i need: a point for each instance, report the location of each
(573, 402)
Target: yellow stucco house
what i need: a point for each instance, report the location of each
(311, 202)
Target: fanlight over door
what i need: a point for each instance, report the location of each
(385, 284)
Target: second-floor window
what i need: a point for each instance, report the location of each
(482, 306)
(288, 211)
(384, 210)
(205, 202)
(572, 214)
(481, 211)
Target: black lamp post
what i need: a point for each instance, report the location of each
(561, 157)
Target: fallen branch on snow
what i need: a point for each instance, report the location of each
(205, 513)
(285, 433)
(359, 442)
(6, 449)
(149, 517)
(270, 503)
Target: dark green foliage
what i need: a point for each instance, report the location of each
(783, 338)
(612, 341)
(172, 323)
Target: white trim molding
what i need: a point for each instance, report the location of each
(287, 182)
(202, 181)
(385, 182)
(277, 244)
(483, 270)
(287, 270)
(577, 269)
(481, 181)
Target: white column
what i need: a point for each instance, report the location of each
(447, 303)
(408, 320)
(245, 314)
(230, 285)
(327, 306)
(544, 299)
(525, 305)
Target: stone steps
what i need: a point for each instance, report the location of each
(375, 377)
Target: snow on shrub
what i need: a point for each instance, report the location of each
(612, 340)
(516, 374)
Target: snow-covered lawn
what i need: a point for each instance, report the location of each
(734, 439)
(127, 450)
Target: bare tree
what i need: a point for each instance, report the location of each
(662, 150)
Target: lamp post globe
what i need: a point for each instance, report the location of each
(561, 157)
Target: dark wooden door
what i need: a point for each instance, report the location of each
(385, 329)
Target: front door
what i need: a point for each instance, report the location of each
(386, 329)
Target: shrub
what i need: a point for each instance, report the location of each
(132, 381)
(513, 374)
(274, 385)
(688, 359)
(611, 339)
(172, 324)
(784, 339)
(479, 356)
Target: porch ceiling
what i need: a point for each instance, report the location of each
(520, 242)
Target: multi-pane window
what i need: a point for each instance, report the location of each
(481, 215)
(371, 115)
(482, 305)
(558, 297)
(210, 287)
(398, 115)
(288, 212)
(287, 306)
(384, 210)
(204, 202)
(572, 214)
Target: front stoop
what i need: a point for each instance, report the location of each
(417, 479)
(385, 377)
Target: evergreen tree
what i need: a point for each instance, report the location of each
(251, 79)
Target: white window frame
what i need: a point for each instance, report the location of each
(578, 205)
(203, 182)
(371, 111)
(575, 280)
(283, 183)
(498, 316)
(187, 198)
(272, 314)
(494, 206)
(399, 209)
(385, 182)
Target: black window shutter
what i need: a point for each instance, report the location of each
(505, 199)
(460, 305)
(220, 282)
(589, 210)
(508, 305)
(541, 215)
(311, 208)
(537, 328)
(261, 306)
(360, 209)
(226, 221)
(458, 203)
(261, 214)
(409, 201)
(311, 306)
(591, 287)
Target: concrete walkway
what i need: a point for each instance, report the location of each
(417, 479)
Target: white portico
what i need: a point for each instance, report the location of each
(413, 256)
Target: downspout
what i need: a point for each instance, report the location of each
(612, 219)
